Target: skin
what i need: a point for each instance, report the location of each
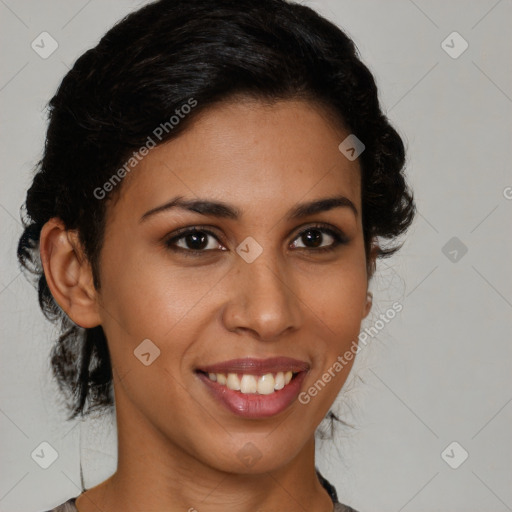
(291, 301)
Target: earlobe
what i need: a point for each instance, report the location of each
(368, 304)
(68, 273)
(372, 260)
(371, 267)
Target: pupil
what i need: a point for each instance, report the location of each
(313, 236)
(197, 241)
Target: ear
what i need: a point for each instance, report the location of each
(368, 304)
(372, 260)
(372, 265)
(68, 273)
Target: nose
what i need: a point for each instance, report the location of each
(262, 300)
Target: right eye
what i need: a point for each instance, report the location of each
(194, 241)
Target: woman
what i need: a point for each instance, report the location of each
(204, 224)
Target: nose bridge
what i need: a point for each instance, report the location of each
(264, 301)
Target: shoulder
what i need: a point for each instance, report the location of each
(68, 506)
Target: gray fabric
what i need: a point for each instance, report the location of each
(69, 506)
(339, 507)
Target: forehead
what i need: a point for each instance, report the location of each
(251, 154)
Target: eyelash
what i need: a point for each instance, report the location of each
(338, 236)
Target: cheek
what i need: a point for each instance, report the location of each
(144, 301)
(337, 298)
(337, 304)
(341, 299)
(149, 296)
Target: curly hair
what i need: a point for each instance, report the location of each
(140, 73)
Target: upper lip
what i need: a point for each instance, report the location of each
(253, 366)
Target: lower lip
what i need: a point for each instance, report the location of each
(253, 405)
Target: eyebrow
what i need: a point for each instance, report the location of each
(224, 210)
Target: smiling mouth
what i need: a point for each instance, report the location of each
(255, 388)
(254, 376)
(247, 383)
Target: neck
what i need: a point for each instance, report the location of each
(173, 480)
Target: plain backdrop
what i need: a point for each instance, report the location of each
(430, 396)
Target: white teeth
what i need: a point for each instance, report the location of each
(279, 381)
(233, 382)
(248, 384)
(262, 385)
(266, 384)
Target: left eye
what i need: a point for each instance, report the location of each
(313, 238)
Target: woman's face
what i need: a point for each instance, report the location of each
(258, 281)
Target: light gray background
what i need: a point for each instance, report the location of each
(439, 372)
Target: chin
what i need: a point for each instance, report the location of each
(255, 454)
